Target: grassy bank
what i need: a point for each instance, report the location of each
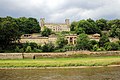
(61, 62)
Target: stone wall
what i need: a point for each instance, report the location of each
(56, 55)
(11, 56)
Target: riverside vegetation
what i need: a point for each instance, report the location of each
(12, 28)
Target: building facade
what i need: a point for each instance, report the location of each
(55, 27)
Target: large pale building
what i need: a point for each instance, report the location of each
(55, 27)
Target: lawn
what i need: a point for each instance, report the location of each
(61, 62)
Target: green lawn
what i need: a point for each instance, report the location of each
(61, 62)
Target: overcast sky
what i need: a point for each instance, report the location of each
(58, 10)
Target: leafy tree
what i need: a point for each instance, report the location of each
(46, 32)
(88, 26)
(83, 42)
(112, 46)
(115, 31)
(28, 25)
(80, 31)
(61, 42)
(102, 24)
(73, 26)
(94, 27)
(33, 45)
(17, 49)
(48, 47)
(9, 31)
(104, 39)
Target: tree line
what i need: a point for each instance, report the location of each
(12, 28)
(90, 26)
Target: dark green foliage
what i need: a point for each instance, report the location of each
(9, 31)
(70, 47)
(112, 46)
(73, 25)
(28, 49)
(61, 42)
(115, 31)
(104, 39)
(28, 25)
(93, 42)
(48, 47)
(46, 32)
(87, 26)
(83, 42)
(102, 24)
(33, 45)
(79, 31)
(12, 28)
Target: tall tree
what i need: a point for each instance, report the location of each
(88, 26)
(102, 24)
(46, 32)
(83, 42)
(28, 25)
(73, 26)
(104, 39)
(61, 42)
(9, 31)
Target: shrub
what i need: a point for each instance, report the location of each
(28, 49)
(49, 47)
(37, 50)
(112, 46)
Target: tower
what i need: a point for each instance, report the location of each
(67, 21)
(42, 23)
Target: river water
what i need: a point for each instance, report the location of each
(100, 73)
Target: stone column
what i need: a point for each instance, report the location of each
(68, 40)
(73, 40)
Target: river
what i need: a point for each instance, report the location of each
(99, 73)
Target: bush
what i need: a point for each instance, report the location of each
(37, 50)
(95, 47)
(60, 50)
(101, 49)
(112, 46)
(28, 49)
(104, 39)
(49, 47)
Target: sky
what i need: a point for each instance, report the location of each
(59, 10)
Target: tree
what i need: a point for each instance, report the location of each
(104, 39)
(102, 24)
(115, 31)
(28, 25)
(79, 31)
(112, 46)
(83, 42)
(9, 31)
(48, 47)
(46, 32)
(73, 26)
(61, 42)
(88, 26)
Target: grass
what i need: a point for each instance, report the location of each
(61, 62)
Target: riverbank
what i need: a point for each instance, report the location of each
(61, 62)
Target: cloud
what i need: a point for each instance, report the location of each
(58, 10)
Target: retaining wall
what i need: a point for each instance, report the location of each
(62, 54)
